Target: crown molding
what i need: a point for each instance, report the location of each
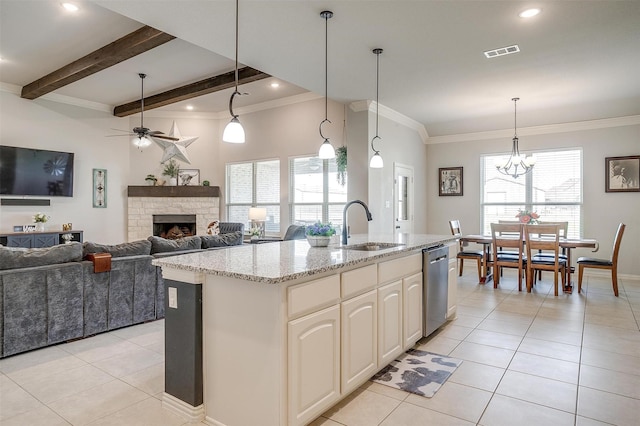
(604, 123)
(277, 103)
(367, 105)
(62, 99)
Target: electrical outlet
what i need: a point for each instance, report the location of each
(173, 297)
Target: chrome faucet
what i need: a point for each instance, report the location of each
(345, 228)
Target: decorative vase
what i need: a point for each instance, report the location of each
(173, 181)
(318, 240)
(40, 226)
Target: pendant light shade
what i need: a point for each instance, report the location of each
(234, 132)
(516, 165)
(326, 151)
(376, 161)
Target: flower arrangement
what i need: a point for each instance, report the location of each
(525, 216)
(40, 217)
(320, 229)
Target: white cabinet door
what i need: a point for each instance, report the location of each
(390, 343)
(452, 295)
(359, 340)
(314, 364)
(412, 307)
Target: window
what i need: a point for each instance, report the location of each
(315, 194)
(553, 189)
(254, 184)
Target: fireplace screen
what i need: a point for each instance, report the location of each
(173, 226)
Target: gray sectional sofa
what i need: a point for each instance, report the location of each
(52, 295)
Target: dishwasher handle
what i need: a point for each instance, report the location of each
(438, 259)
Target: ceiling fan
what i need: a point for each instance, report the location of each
(142, 133)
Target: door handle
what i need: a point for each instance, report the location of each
(397, 226)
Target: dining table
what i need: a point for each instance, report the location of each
(567, 244)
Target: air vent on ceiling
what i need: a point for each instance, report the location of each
(502, 51)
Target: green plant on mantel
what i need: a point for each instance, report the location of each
(171, 168)
(151, 178)
(341, 163)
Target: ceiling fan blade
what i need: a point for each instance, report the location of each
(120, 130)
(118, 136)
(156, 132)
(170, 138)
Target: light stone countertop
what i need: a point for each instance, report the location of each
(277, 262)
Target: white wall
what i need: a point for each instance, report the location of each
(602, 212)
(60, 127)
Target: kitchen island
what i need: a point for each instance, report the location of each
(286, 330)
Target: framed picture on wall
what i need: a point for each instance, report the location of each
(450, 181)
(100, 188)
(622, 174)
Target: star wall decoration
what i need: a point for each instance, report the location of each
(177, 149)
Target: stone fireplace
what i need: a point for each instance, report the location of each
(191, 208)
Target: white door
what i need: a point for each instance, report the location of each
(389, 322)
(403, 197)
(314, 364)
(359, 340)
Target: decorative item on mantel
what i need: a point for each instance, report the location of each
(319, 234)
(40, 219)
(525, 216)
(151, 180)
(171, 170)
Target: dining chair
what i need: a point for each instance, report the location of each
(563, 228)
(544, 237)
(507, 235)
(477, 255)
(612, 264)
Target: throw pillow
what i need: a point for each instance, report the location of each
(135, 248)
(162, 245)
(222, 240)
(214, 228)
(17, 257)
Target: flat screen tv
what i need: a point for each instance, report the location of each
(28, 171)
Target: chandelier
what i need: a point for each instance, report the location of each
(517, 164)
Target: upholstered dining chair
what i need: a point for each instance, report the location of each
(547, 238)
(477, 255)
(612, 264)
(507, 235)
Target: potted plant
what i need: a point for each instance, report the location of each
(40, 219)
(151, 179)
(319, 234)
(171, 170)
(206, 183)
(341, 163)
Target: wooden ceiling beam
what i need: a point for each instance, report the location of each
(193, 90)
(135, 43)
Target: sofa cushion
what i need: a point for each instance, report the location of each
(162, 245)
(135, 248)
(222, 240)
(17, 257)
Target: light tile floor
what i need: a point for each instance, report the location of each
(529, 359)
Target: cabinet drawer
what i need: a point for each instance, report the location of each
(395, 269)
(314, 294)
(359, 280)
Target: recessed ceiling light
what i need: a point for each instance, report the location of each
(70, 7)
(529, 13)
(274, 85)
(190, 107)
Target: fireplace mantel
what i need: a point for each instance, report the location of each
(173, 191)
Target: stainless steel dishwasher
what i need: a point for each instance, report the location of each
(436, 288)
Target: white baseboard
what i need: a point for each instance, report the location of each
(181, 408)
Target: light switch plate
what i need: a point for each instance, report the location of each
(173, 297)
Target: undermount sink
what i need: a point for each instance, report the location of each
(372, 246)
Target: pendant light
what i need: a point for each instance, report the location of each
(234, 132)
(326, 149)
(516, 165)
(376, 161)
